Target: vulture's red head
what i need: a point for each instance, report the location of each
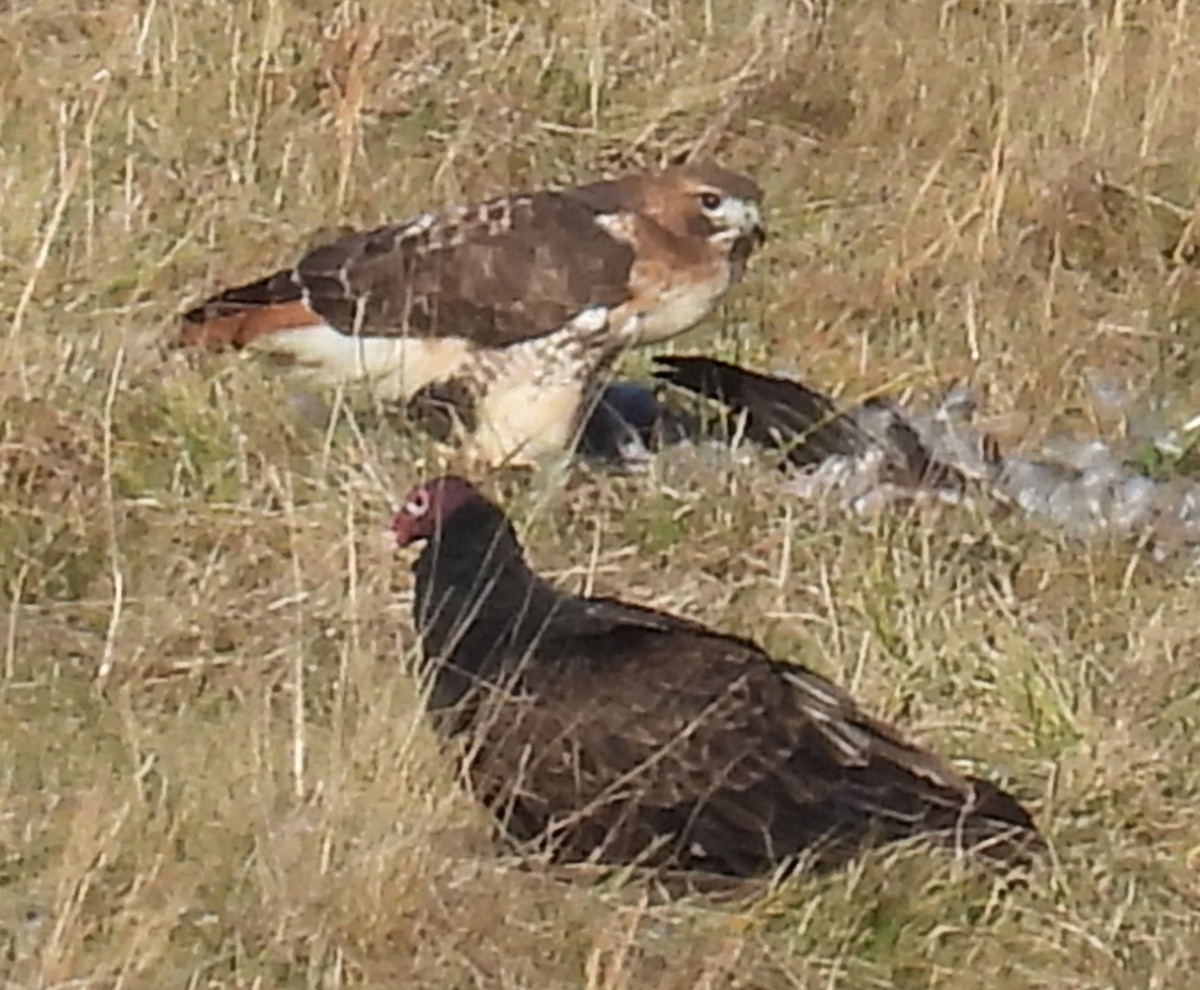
(428, 506)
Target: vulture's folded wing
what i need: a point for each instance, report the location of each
(651, 712)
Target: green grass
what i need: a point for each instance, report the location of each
(212, 769)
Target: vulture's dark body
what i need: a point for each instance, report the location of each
(607, 732)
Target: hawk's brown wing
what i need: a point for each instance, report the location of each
(510, 269)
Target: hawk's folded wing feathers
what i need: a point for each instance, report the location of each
(508, 270)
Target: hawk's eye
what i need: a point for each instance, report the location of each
(710, 200)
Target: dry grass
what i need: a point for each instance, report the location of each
(213, 772)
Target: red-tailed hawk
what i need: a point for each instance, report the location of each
(520, 301)
(604, 731)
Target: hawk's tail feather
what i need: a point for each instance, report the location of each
(236, 316)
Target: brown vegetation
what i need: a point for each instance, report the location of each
(214, 773)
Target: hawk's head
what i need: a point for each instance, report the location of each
(705, 200)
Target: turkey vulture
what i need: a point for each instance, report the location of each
(807, 426)
(605, 732)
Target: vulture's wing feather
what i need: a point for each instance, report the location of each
(635, 708)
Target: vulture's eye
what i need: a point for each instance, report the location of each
(418, 505)
(710, 200)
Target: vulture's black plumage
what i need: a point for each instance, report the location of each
(608, 732)
(806, 425)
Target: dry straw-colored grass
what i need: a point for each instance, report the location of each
(212, 773)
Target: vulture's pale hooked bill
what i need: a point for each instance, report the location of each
(606, 732)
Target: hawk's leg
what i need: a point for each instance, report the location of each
(445, 410)
(522, 420)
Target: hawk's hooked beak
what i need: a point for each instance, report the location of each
(741, 224)
(758, 227)
(752, 236)
(753, 229)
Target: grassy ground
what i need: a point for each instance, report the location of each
(211, 770)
